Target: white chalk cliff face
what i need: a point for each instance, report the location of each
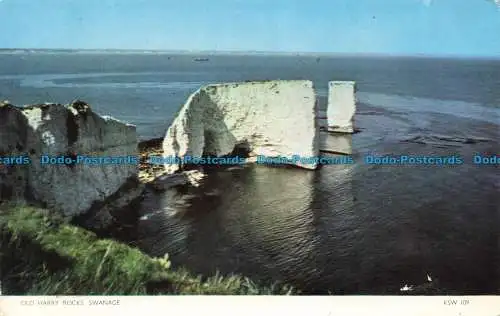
(57, 130)
(341, 106)
(270, 118)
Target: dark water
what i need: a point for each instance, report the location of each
(344, 229)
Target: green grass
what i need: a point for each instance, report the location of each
(42, 254)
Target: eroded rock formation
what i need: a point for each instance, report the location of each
(270, 118)
(66, 131)
(341, 106)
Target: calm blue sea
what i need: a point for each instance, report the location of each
(147, 89)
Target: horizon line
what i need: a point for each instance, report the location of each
(255, 52)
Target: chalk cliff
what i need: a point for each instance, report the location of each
(341, 106)
(270, 118)
(57, 130)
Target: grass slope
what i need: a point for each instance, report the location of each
(43, 255)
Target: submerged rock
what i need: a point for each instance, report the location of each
(335, 143)
(341, 106)
(67, 132)
(269, 118)
(166, 181)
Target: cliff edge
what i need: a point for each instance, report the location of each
(30, 134)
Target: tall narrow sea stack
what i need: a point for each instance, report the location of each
(268, 118)
(341, 106)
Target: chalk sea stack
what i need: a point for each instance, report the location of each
(341, 106)
(276, 118)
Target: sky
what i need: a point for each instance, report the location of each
(396, 27)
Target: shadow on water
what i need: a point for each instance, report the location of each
(238, 221)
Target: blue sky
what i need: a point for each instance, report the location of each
(401, 27)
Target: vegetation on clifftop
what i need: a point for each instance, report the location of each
(43, 255)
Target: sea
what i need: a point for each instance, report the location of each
(343, 229)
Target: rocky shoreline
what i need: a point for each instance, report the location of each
(149, 172)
